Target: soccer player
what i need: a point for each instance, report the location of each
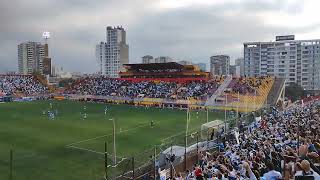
(50, 115)
(84, 113)
(105, 110)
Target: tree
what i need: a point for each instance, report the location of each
(66, 82)
(295, 92)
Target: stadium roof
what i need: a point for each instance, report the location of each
(155, 66)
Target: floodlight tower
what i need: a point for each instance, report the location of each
(46, 59)
(46, 36)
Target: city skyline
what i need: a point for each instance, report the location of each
(179, 29)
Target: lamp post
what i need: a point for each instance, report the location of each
(225, 114)
(237, 117)
(114, 141)
(255, 96)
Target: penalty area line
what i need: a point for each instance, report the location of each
(98, 137)
(85, 149)
(96, 152)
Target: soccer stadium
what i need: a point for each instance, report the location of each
(149, 128)
(159, 90)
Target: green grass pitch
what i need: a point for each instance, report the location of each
(39, 144)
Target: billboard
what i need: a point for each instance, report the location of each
(284, 38)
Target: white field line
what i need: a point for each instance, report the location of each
(93, 151)
(100, 153)
(163, 140)
(84, 149)
(98, 137)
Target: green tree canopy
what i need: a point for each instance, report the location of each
(295, 92)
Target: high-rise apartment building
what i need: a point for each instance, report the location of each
(219, 65)
(233, 70)
(298, 61)
(147, 59)
(30, 57)
(113, 53)
(239, 62)
(163, 59)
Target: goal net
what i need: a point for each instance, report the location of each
(211, 128)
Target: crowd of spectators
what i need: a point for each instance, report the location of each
(28, 85)
(149, 89)
(284, 144)
(197, 89)
(102, 86)
(246, 85)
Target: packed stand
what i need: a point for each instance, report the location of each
(198, 90)
(282, 145)
(148, 89)
(11, 84)
(246, 85)
(151, 89)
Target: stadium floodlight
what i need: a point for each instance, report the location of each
(46, 35)
(114, 141)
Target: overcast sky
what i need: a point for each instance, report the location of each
(182, 29)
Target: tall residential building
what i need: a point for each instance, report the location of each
(298, 61)
(147, 59)
(113, 53)
(233, 70)
(30, 57)
(239, 66)
(219, 65)
(162, 59)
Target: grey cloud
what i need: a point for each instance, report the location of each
(200, 32)
(288, 6)
(195, 32)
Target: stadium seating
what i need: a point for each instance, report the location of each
(21, 85)
(252, 93)
(191, 89)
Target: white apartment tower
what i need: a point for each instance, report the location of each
(220, 65)
(112, 54)
(147, 59)
(163, 59)
(298, 61)
(30, 57)
(240, 66)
